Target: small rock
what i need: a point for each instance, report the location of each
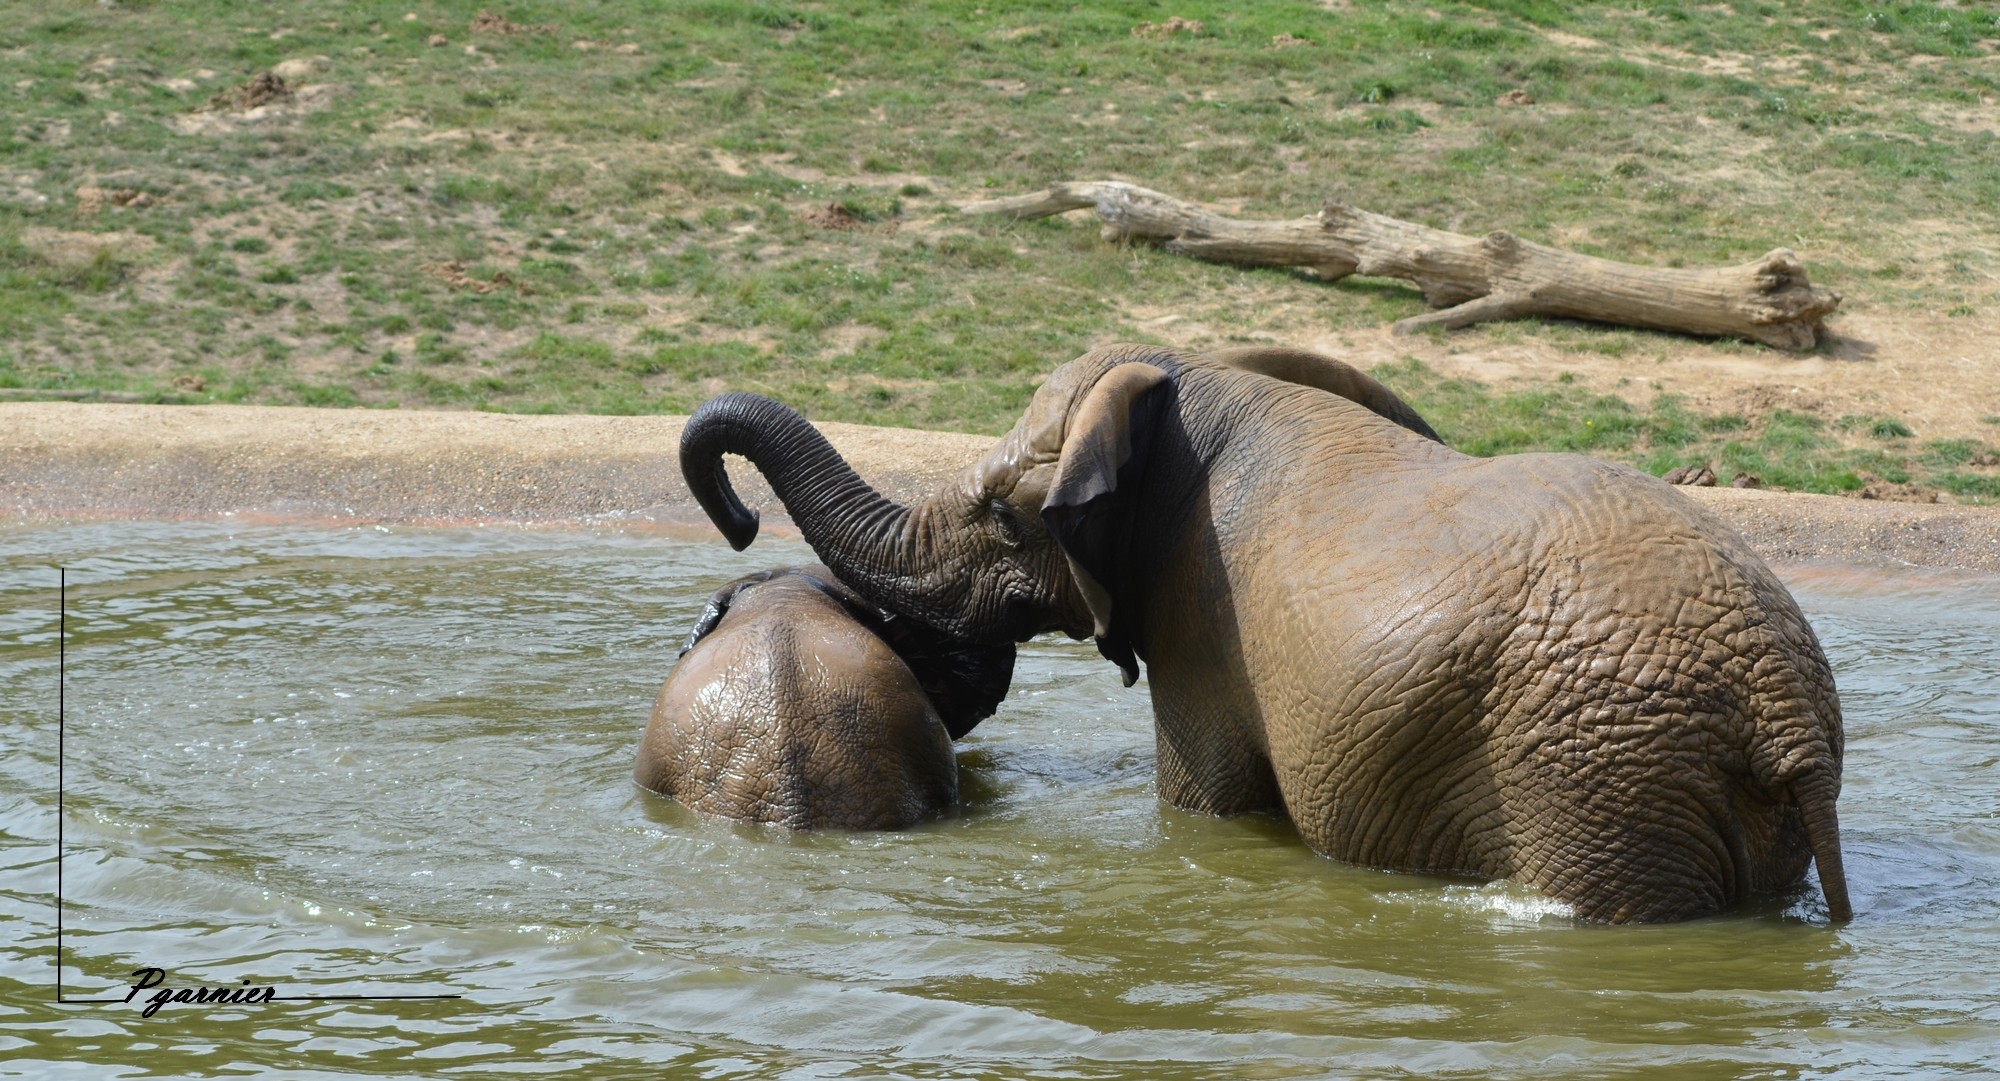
(438, 41)
(1700, 476)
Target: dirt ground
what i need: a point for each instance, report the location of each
(62, 461)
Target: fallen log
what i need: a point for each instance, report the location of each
(1472, 279)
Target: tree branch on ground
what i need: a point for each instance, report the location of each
(1471, 279)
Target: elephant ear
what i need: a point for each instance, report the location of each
(965, 681)
(1088, 509)
(718, 606)
(1325, 373)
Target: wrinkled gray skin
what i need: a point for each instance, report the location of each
(1539, 667)
(797, 703)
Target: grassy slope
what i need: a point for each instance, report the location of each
(648, 184)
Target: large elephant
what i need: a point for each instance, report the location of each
(1540, 667)
(798, 703)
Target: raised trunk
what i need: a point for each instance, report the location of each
(875, 545)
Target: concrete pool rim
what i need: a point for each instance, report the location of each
(73, 460)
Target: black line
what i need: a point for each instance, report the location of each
(347, 998)
(273, 998)
(62, 658)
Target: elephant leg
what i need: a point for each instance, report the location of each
(1626, 835)
(1202, 768)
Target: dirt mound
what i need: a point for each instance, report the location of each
(265, 89)
(72, 251)
(488, 22)
(263, 99)
(92, 201)
(1874, 487)
(453, 274)
(1175, 25)
(838, 217)
(832, 216)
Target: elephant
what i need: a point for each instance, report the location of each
(797, 703)
(1539, 667)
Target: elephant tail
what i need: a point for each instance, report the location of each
(1815, 794)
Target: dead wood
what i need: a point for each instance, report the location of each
(1471, 279)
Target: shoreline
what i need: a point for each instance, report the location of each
(82, 461)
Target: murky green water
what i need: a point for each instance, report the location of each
(396, 762)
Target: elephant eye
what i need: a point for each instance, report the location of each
(1007, 522)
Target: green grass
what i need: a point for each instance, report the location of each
(646, 214)
(1783, 449)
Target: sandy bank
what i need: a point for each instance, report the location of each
(70, 460)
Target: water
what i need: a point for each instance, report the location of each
(396, 762)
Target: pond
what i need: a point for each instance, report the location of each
(396, 762)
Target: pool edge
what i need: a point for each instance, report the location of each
(72, 460)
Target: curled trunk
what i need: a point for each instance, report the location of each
(871, 542)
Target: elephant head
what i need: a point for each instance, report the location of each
(1024, 542)
(798, 703)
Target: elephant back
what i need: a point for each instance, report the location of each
(790, 711)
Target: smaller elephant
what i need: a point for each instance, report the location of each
(796, 702)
